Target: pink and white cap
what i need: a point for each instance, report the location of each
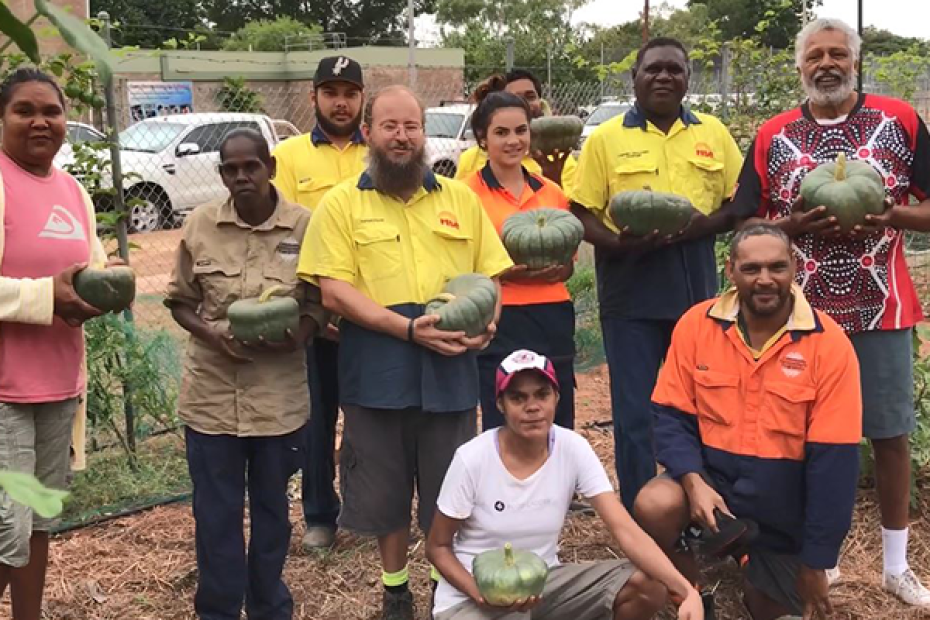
(521, 360)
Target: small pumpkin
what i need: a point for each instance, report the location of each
(849, 190)
(506, 576)
(264, 317)
(542, 237)
(108, 290)
(555, 133)
(466, 303)
(644, 211)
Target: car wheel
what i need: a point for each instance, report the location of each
(445, 167)
(148, 210)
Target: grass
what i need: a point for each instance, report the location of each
(110, 484)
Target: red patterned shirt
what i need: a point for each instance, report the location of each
(862, 284)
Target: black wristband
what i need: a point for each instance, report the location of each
(410, 331)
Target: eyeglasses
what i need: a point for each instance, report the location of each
(410, 129)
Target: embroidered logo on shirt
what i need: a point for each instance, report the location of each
(793, 364)
(62, 225)
(702, 149)
(448, 219)
(499, 506)
(288, 249)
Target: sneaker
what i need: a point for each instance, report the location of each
(397, 605)
(907, 587)
(833, 576)
(318, 537)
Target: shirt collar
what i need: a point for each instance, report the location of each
(487, 175)
(636, 117)
(317, 137)
(281, 218)
(430, 182)
(802, 318)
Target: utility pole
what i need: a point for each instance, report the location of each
(646, 21)
(861, 52)
(607, 77)
(411, 46)
(509, 59)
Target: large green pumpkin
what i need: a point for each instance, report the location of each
(109, 290)
(466, 303)
(264, 317)
(644, 211)
(506, 576)
(555, 133)
(542, 237)
(849, 190)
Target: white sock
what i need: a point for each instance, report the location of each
(894, 546)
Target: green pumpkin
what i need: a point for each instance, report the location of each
(506, 576)
(109, 290)
(555, 133)
(466, 304)
(264, 317)
(644, 211)
(542, 237)
(849, 190)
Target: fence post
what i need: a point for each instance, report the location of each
(725, 82)
(509, 59)
(122, 238)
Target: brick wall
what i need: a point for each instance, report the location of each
(24, 9)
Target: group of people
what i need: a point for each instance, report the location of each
(754, 402)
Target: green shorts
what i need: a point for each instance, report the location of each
(35, 438)
(573, 592)
(886, 369)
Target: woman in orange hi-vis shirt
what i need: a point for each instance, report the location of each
(537, 311)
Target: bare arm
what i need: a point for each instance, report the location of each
(440, 553)
(187, 317)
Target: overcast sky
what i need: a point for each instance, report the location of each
(885, 14)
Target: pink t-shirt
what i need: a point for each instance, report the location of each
(47, 229)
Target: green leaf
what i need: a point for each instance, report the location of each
(27, 490)
(80, 37)
(20, 33)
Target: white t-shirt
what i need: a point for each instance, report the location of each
(498, 509)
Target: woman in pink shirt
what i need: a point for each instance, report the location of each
(48, 234)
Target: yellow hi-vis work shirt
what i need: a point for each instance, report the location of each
(697, 159)
(401, 255)
(310, 165)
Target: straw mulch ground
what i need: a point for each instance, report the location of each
(142, 567)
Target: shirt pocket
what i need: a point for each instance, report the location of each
(705, 183)
(221, 286)
(784, 419)
(282, 274)
(379, 253)
(716, 395)
(310, 191)
(454, 251)
(634, 174)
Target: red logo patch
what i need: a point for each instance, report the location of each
(448, 219)
(703, 150)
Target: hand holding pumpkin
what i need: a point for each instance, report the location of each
(426, 335)
(552, 164)
(550, 275)
(226, 343)
(481, 341)
(520, 607)
(68, 305)
(815, 221)
(875, 223)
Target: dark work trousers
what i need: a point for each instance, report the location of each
(547, 329)
(222, 469)
(635, 349)
(320, 501)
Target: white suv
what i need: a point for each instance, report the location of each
(448, 133)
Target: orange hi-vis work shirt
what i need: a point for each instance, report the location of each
(775, 431)
(499, 204)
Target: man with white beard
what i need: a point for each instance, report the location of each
(859, 279)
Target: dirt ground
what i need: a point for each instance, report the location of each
(142, 567)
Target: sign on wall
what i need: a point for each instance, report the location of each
(148, 99)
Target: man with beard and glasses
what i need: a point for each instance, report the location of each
(381, 245)
(308, 167)
(758, 417)
(559, 168)
(860, 279)
(646, 283)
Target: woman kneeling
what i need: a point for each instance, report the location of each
(514, 485)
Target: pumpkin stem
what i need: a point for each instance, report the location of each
(508, 554)
(840, 174)
(541, 221)
(267, 293)
(446, 297)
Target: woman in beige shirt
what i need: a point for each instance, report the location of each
(243, 404)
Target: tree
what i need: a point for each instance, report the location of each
(883, 43)
(270, 36)
(740, 18)
(148, 23)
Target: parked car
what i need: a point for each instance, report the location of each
(171, 162)
(77, 133)
(284, 129)
(602, 113)
(448, 133)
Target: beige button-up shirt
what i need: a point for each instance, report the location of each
(221, 259)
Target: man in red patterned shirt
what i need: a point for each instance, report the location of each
(860, 279)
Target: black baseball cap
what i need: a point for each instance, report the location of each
(338, 69)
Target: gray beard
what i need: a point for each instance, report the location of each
(396, 179)
(829, 97)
